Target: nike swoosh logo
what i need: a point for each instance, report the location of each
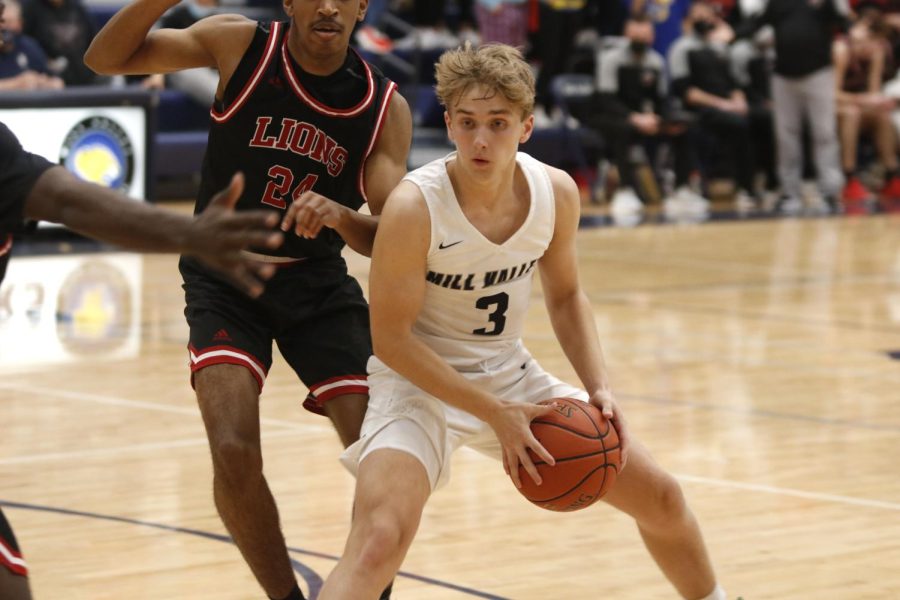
(442, 246)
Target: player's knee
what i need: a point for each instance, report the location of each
(667, 504)
(385, 544)
(236, 462)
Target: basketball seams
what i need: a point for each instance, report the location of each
(604, 466)
(578, 484)
(604, 451)
(567, 428)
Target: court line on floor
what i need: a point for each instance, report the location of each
(113, 401)
(313, 580)
(759, 412)
(782, 491)
(119, 450)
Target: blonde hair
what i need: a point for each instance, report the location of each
(497, 67)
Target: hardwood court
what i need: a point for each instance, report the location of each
(753, 358)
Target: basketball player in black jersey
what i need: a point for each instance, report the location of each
(318, 132)
(32, 188)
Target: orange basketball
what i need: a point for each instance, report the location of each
(587, 452)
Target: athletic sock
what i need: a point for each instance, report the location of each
(294, 594)
(717, 594)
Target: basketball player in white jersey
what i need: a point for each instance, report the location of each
(456, 250)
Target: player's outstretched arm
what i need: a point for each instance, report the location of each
(216, 236)
(397, 292)
(126, 44)
(384, 169)
(569, 308)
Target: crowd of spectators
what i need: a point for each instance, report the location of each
(764, 94)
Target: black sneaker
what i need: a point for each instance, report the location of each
(833, 204)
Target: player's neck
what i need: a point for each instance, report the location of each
(320, 65)
(485, 191)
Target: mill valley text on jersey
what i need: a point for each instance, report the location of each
(480, 281)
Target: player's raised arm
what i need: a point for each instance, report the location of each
(216, 236)
(569, 307)
(384, 169)
(126, 44)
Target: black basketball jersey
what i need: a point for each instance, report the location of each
(290, 131)
(19, 171)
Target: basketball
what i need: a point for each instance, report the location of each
(587, 452)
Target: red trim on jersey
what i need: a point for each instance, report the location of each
(226, 355)
(12, 560)
(7, 245)
(335, 386)
(254, 79)
(324, 391)
(379, 125)
(315, 104)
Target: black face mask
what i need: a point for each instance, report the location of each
(638, 47)
(702, 28)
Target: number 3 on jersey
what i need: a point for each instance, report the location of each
(497, 304)
(280, 186)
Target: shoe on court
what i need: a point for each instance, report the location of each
(890, 195)
(788, 205)
(744, 202)
(855, 197)
(855, 191)
(832, 204)
(691, 200)
(625, 202)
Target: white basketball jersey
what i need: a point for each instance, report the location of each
(477, 292)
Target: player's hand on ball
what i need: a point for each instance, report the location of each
(310, 212)
(606, 402)
(512, 424)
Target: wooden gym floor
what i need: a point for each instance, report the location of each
(759, 360)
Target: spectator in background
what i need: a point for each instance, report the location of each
(631, 113)
(667, 17)
(558, 22)
(430, 30)
(700, 70)
(670, 18)
(199, 84)
(752, 62)
(803, 88)
(64, 30)
(23, 64)
(859, 60)
(503, 21)
(368, 35)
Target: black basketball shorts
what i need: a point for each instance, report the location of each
(10, 556)
(312, 309)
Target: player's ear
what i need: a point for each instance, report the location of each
(288, 6)
(361, 13)
(447, 123)
(527, 128)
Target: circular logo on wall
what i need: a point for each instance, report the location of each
(98, 149)
(93, 309)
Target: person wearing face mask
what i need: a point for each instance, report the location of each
(803, 88)
(752, 61)
(701, 78)
(632, 115)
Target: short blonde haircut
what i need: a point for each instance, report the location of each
(496, 67)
